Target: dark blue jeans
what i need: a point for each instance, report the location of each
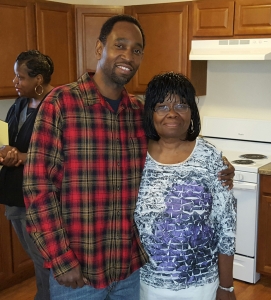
(127, 289)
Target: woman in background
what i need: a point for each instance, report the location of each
(186, 218)
(33, 72)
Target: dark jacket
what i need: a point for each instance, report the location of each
(11, 178)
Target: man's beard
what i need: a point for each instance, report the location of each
(120, 80)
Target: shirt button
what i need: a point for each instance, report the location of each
(118, 164)
(118, 188)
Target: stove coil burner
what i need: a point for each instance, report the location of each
(243, 161)
(253, 156)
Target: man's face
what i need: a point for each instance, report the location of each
(121, 56)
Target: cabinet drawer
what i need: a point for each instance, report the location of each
(244, 269)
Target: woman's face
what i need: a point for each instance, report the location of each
(24, 85)
(172, 124)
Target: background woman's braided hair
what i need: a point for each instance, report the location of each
(37, 63)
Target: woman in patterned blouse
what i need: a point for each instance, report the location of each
(186, 218)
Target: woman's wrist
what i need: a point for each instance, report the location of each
(226, 288)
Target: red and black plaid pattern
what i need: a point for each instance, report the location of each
(81, 183)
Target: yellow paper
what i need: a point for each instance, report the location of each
(3, 133)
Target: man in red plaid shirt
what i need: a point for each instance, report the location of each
(83, 172)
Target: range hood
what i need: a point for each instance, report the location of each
(234, 49)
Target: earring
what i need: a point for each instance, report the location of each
(191, 129)
(37, 88)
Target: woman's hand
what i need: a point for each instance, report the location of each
(227, 175)
(5, 149)
(11, 159)
(224, 295)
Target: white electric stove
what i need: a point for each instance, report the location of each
(247, 145)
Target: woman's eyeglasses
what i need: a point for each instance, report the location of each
(179, 108)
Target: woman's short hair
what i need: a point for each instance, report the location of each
(37, 63)
(158, 89)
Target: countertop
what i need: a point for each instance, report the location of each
(265, 170)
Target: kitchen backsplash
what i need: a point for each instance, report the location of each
(237, 89)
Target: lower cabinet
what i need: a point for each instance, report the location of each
(264, 227)
(15, 264)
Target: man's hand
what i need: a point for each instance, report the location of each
(74, 278)
(227, 175)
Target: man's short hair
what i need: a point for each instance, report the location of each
(109, 24)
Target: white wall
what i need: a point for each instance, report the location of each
(116, 2)
(4, 106)
(237, 89)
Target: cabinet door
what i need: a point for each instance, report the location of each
(165, 29)
(17, 34)
(213, 18)
(5, 247)
(252, 17)
(15, 264)
(56, 38)
(264, 225)
(89, 20)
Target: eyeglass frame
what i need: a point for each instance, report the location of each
(163, 113)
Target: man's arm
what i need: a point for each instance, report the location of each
(226, 175)
(43, 173)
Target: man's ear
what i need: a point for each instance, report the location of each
(99, 49)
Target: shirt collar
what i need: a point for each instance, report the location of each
(90, 91)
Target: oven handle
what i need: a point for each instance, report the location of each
(244, 185)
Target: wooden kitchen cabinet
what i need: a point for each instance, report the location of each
(166, 30)
(212, 18)
(46, 26)
(17, 23)
(89, 20)
(231, 18)
(252, 17)
(55, 29)
(264, 227)
(15, 264)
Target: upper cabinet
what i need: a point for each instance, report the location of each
(55, 29)
(17, 23)
(46, 26)
(212, 18)
(166, 31)
(228, 18)
(252, 17)
(89, 20)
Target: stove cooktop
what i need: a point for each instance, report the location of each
(245, 156)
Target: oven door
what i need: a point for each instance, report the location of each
(246, 233)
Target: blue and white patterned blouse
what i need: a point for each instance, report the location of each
(185, 217)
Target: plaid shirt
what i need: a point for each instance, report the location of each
(81, 183)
